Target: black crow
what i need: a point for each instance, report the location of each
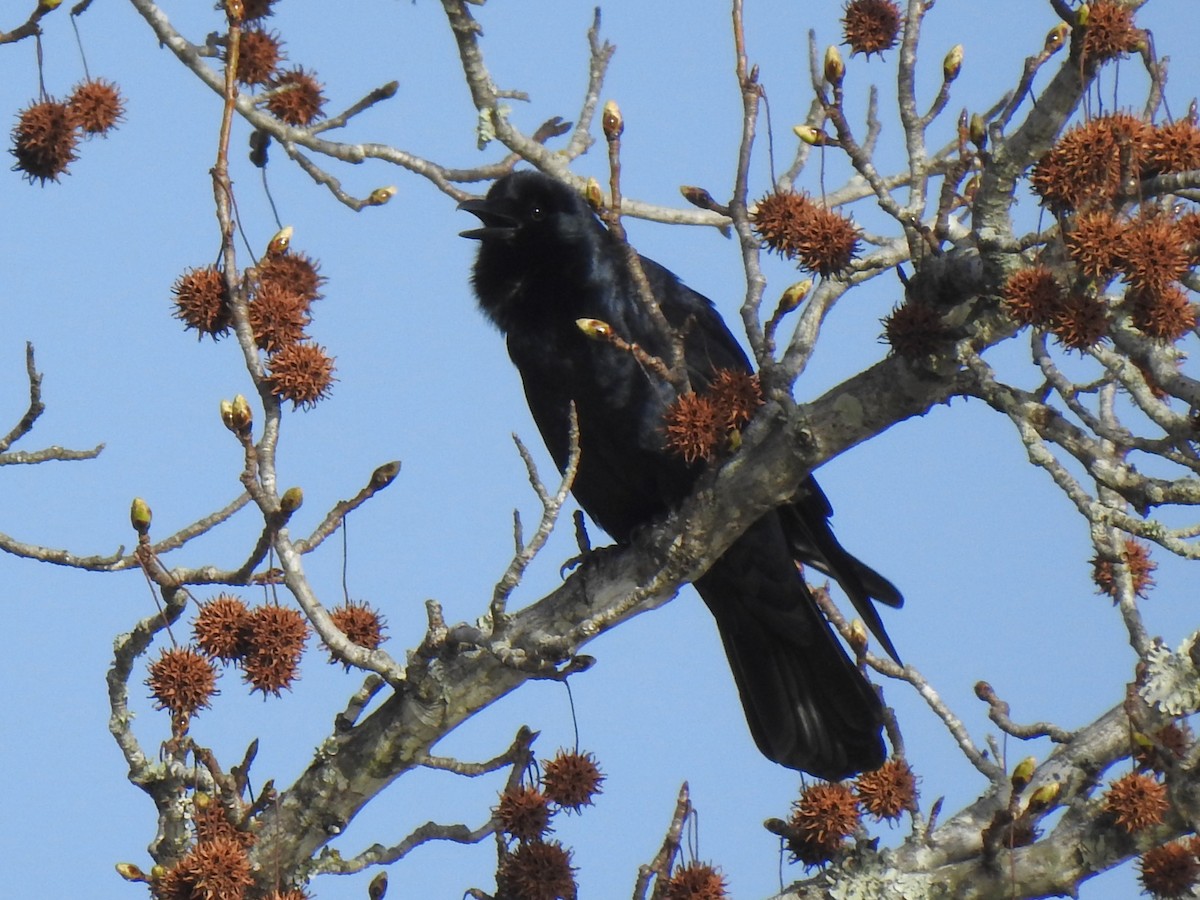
(545, 260)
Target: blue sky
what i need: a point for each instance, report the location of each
(992, 559)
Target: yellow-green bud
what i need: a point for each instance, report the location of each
(292, 500)
(858, 636)
(1083, 15)
(1057, 36)
(382, 195)
(130, 872)
(1044, 797)
(611, 120)
(952, 64)
(977, 131)
(158, 872)
(794, 295)
(227, 413)
(835, 69)
(241, 414)
(140, 515)
(593, 194)
(49, 4)
(1023, 773)
(814, 137)
(594, 328)
(201, 800)
(281, 241)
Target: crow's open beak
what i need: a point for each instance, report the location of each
(497, 225)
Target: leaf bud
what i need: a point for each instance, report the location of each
(140, 515)
(241, 414)
(1023, 773)
(978, 131)
(611, 120)
(814, 137)
(1083, 15)
(385, 474)
(593, 194)
(794, 295)
(378, 886)
(1056, 37)
(1044, 797)
(952, 64)
(130, 872)
(858, 636)
(292, 500)
(697, 196)
(382, 195)
(835, 69)
(227, 413)
(594, 328)
(201, 800)
(279, 244)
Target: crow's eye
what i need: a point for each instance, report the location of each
(536, 213)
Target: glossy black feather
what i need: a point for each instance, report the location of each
(545, 261)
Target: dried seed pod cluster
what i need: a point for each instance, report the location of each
(47, 132)
(698, 426)
(1091, 179)
(537, 868)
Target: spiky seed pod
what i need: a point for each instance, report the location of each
(1152, 252)
(360, 623)
(1094, 244)
(302, 373)
(44, 141)
(253, 10)
(1165, 315)
(794, 227)
(182, 680)
(1110, 32)
(1174, 147)
(95, 106)
(1141, 570)
(216, 870)
(294, 272)
(736, 395)
(696, 881)
(275, 641)
(1032, 296)
(571, 779)
(296, 97)
(1189, 226)
(1170, 744)
(212, 824)
(694, 427)
(202, 303)
(1093, 163)
(1136, 801)
(277, 316)
(1079, 322)
(1170, 870)
(220, 627)
(871, 26)
(524, 813)
(259, 54)
(537, 871)
(824, 816)
(888, 791)
(914, 330)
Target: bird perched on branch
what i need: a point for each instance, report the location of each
(545, 263)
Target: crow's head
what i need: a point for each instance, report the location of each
(530, 209)
(537, 237)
